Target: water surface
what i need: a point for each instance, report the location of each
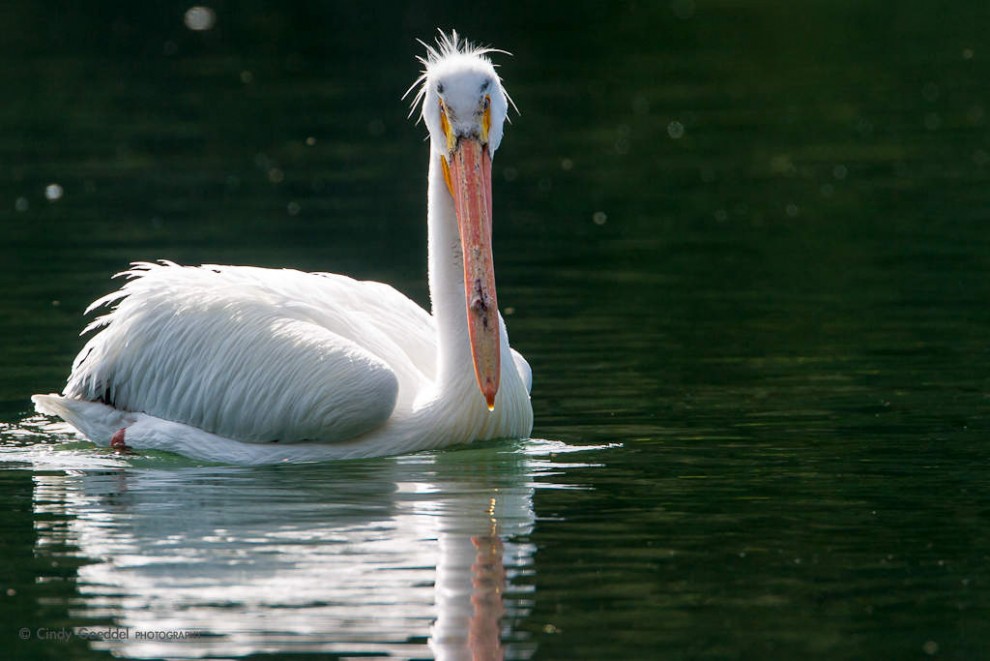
(744, 248)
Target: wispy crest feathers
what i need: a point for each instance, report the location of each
(447, 45)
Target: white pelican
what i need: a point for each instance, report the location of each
(248, 365)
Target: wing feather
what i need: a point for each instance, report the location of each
(255, 354)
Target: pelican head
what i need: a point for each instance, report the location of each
(464, 106)
(460, 94)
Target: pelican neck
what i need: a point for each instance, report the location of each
(455, 366)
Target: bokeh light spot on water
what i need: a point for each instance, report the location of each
(200, 18)
(376, 128)
(53, 192)
(599, 218)
(975, 114)
(622, 139)
(641, 104)
(682, 9)
(675, 130)
(21, 204)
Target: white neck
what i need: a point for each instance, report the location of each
(455, 368)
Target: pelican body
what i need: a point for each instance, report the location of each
(247, 365)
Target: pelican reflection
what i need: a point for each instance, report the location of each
(409, 556)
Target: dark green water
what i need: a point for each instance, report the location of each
(746, 251)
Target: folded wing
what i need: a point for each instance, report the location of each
(256, 355)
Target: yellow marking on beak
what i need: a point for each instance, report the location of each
(451, 143)
(445, 126)
(486, 120)
(446, 174)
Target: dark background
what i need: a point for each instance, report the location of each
(746, 240)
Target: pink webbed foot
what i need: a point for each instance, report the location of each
(117, 442)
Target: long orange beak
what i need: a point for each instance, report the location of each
(470, 181)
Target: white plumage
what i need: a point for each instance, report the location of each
(250, 365)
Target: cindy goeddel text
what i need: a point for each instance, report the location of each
(64, 634)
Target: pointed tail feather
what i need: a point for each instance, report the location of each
(95, 421)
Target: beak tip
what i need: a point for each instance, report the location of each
(490, 400)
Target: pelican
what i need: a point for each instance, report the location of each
(247, 365)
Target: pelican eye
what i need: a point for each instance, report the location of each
(439, 88)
